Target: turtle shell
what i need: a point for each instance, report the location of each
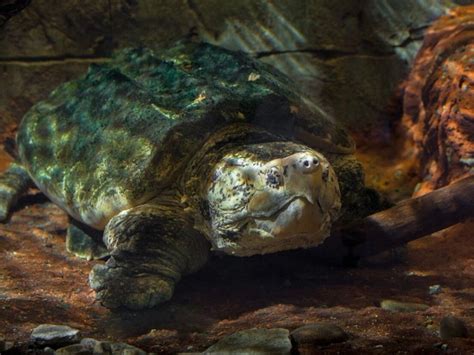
(122, 133)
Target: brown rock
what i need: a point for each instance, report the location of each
(54, 335)
(75, 349)
(439, 101)
(397, 306)
(452, 327)
(254, 341)
(317, 334)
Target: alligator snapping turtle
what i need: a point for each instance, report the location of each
(171, 152)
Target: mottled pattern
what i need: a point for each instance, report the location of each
(259, 205)
(122, 133)
(13, 182)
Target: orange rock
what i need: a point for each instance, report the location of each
(439, 100)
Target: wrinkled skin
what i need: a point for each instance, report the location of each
(259, 207)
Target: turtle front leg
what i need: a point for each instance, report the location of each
(151, 247)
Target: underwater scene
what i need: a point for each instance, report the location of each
(236, 177)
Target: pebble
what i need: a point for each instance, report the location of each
(318, 334)
(89, 343)
(75, 349)
(255, 341)
(54, 335)
(441, 346)
(452, 327)
(396, 306)
(429, 323)
(435, 289)
(122, 348)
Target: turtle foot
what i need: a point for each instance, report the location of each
(117, 287)
(151, 247)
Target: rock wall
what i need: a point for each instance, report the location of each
(348, 55)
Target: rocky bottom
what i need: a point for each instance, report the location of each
(422, 301)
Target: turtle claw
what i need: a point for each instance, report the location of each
(116, 288)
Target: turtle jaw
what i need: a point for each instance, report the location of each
(299, 224)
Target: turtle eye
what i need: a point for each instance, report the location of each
(274, 178)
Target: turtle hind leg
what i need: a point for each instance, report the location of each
(84, 241)
(14, 182)
(151, 248)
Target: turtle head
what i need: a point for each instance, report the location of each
(269, 197)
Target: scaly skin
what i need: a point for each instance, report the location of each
(152, 246)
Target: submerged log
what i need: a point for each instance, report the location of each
(409, 220)
(439, 101)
